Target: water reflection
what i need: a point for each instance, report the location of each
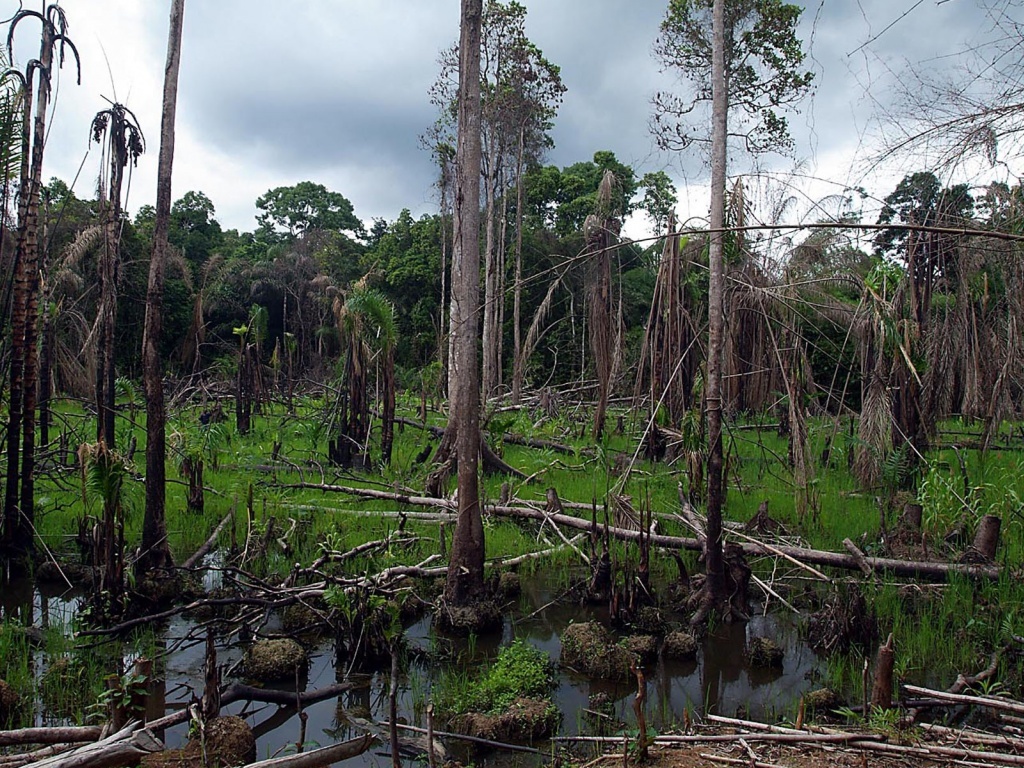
(718, 680)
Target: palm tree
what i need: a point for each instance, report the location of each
(19, 508)
(118, 130)
(369, 324)
(155, 551)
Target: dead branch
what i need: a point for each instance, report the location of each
(208, 544)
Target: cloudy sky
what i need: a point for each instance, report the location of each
(335, 91)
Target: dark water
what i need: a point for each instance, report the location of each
(719, 680)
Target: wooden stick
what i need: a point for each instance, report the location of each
(862, 562)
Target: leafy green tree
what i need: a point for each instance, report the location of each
(562, 199)
(659, 199)
(305, 207)
(194, 230)
(764, 72)
(408, 261)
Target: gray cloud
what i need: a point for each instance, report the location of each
(272, 93)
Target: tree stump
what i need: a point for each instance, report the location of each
(881, 690)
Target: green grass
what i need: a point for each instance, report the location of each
(939, 631)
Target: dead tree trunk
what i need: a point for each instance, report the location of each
(465, 581)
(155, 551)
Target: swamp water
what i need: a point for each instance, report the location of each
(718, 680)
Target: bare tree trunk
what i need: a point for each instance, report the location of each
(31, 257)
(489, 375)
(715, 596)
(155, 552)
(518, 365)
(13, 530)
(466, 570)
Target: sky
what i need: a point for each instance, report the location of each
(272, 93)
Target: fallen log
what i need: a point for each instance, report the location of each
(121, 749)
(919, 569)
(916, 569)
(242, 692)
(55, 735)
(26, 758)
(208, 544)
(991, 702)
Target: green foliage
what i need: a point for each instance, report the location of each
(919, 199)
(519, 671)
(305, 207)
(764, 62)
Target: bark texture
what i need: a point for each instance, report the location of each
(466, 572)
(155, 552)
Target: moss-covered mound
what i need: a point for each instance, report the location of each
(305, 620)
(681, 646)
(9, 701)
(524, 721)
(520, 671)
(644, 647)
(229, 741)
(590, 649)
(764, 653)
(273, 660)
(821, 700)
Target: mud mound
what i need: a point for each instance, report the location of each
(765, 653)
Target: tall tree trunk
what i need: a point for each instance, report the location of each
(155, 552)
(13, 530)
(518, 365)
(715, 595)
(466, 569)
(31, 256)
